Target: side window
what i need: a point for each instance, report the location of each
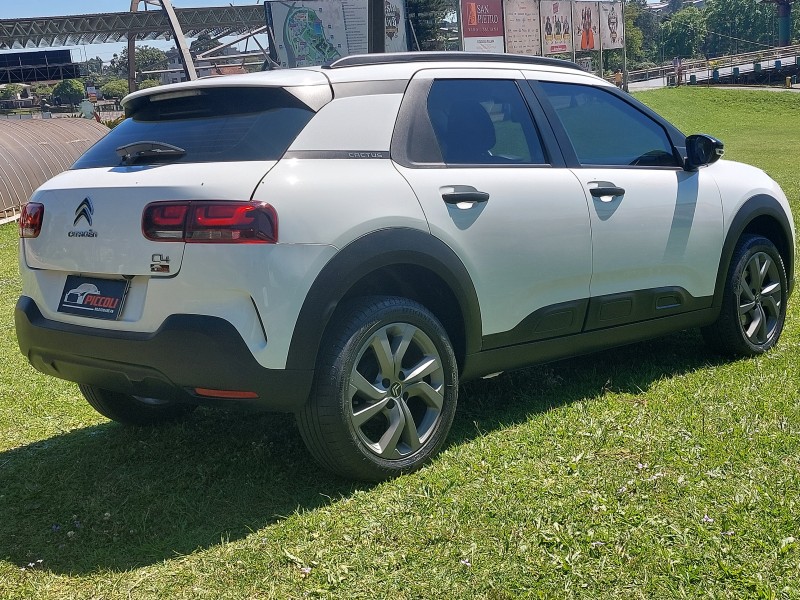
(482, 122)
(605, 130)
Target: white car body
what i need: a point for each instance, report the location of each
(541, 270)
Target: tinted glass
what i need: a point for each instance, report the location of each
(605, 130)
(483, 121)
(214, 125)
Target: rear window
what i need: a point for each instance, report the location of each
(211, 125)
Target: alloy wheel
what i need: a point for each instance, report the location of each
(760, 298)
(396, 391)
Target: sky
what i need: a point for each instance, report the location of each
(19, 9)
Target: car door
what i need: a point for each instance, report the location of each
(656, 228)
(500, 197)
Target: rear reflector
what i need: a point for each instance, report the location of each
(30, 221)
(233, 394)
(204, 221)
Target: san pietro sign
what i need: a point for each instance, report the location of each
(482, 24)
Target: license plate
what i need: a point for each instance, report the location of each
(93, 297)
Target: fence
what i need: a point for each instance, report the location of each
(733, 60)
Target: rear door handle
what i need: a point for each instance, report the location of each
(606, 193)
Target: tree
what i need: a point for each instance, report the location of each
(146, 58)
(148, 83)
(737, 26)
(94, 66)
(70, 91)
(649, 23)
(116, 88)
(634, 38)
(10, 91)
(42, 90)
(685, 33)
(425, 17)
(202, 43)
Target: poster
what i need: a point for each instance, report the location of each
(586, 24)
(611, 25)
(356, 22)
(482, 25)
(556, 26)
(522, 27)
(395, 28)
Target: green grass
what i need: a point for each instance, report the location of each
(652, 471)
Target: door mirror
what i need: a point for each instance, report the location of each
(702, 150)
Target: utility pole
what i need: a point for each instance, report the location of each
(784, 14)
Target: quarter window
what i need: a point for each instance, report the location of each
(606, 130)
(483, 122)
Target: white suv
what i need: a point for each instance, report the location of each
(349, 242)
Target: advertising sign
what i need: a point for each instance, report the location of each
(556, 19)
(586, 21)
(611, 25)
(396, 40)
(482, 25)
(522, 27)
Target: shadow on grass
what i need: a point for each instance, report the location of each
(111, 497)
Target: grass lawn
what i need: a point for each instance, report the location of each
(652, 471)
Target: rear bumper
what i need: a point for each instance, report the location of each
(186, 352)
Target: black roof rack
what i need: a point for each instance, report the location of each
(390, 58)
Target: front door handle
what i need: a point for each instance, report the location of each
(606, 193)
(456, 194)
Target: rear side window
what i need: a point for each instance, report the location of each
(483, 122)
(211, 125)
(606, 130)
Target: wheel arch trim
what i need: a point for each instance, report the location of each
(365, 255)
(760, 205)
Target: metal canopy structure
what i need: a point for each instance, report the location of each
(104, 28)
(35, 150)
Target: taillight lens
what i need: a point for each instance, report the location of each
(165, 222)
(30, 221)
(204, 221)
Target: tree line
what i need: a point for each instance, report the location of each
(721, 27)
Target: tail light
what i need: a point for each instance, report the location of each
(30, 221)
(204, 221)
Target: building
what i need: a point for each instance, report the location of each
(206, 68)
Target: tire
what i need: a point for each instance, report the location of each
(753, 302)
(133, 410)
(385, 390)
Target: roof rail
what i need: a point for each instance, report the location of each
(390, 58)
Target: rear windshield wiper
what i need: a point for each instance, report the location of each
(130, 153)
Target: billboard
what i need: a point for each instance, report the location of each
(586, 21)
(395, 27)
(611, 25)
(536, 27)
(309, 33)
(315, 32)
(482, 26)
(521, 38)
(556, 20)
